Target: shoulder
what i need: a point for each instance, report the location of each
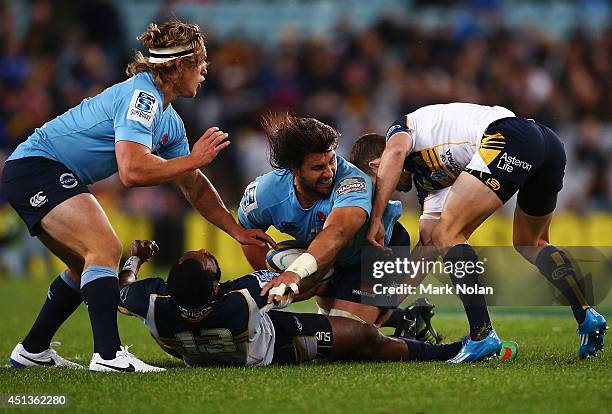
(141, 93)
(269, 189)
(350, 179)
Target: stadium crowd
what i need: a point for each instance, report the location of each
(355, 80)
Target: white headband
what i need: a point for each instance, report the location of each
(169, 53)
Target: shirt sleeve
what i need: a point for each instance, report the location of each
(134, 298)
(134, 115)
(354, 191)
(251, 214)
(402, 124)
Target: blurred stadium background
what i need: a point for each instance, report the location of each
(354, 64)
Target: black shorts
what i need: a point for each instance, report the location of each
(347, 282)
(35, 185)
(525, 156)
(300, 337)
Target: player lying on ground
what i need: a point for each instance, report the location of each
(467, 161)
(130, 128)
(201, 321)
(322, 201)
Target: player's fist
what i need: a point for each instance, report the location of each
(376, 235)
(143, 249)
(208, 146)
(277, 288)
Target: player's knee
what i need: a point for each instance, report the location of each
(442, 237)
(528, 246)
(107, 253)
(370, 339)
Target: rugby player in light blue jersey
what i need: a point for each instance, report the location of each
(131, 128)
(321, 200)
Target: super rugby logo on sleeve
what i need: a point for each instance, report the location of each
(142, 107)
(249, 200)
(352, 185)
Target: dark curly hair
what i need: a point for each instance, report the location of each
(291, 138)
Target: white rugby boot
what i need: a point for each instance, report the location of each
(20, 358)
(124, 361)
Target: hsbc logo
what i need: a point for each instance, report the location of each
(38, 199)
(68, 180)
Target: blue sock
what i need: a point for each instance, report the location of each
(424, 351)
(396, 317)
(554, 264)
(475, 305)
(100, 290)
(63, 298)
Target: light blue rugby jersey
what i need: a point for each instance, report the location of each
(270, 200)
(83, 138)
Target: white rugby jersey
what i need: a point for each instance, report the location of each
(445, 138)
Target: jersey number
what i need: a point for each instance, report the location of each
(209, 341)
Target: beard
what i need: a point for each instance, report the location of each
(313, 189)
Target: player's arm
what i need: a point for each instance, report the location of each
(140, 252)
(389, 172)
(204, 197)
(139, 167)
(307, 270)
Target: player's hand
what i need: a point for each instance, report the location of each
(208, 146)
(376, 235)
(254, 237)
(143, 249)
(278, 287)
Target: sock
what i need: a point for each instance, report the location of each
(475, 305)
(100, 290)
(396, 317)
(63, 298)
(424, 351)
(554, 264)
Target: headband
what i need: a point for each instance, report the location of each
(166, 54)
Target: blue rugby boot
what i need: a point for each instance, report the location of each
(591, 332)
(473, 351)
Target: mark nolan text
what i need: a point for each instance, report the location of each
(429, 289)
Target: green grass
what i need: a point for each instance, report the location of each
(546, 377)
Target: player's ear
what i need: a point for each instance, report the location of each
(374, 164)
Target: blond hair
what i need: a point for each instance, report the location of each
(172, 33)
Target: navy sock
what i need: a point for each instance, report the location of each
(475, 305)
(63, 298)
(424, 351)
(100, 290)
(554, 264)
(396, 317)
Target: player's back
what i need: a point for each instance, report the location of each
(443, 124)
(230, 329)
(445, 138)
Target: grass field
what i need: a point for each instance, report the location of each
(546, 377)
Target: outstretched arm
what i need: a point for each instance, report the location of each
(204, 197)
(391, 166)
(338, 232)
